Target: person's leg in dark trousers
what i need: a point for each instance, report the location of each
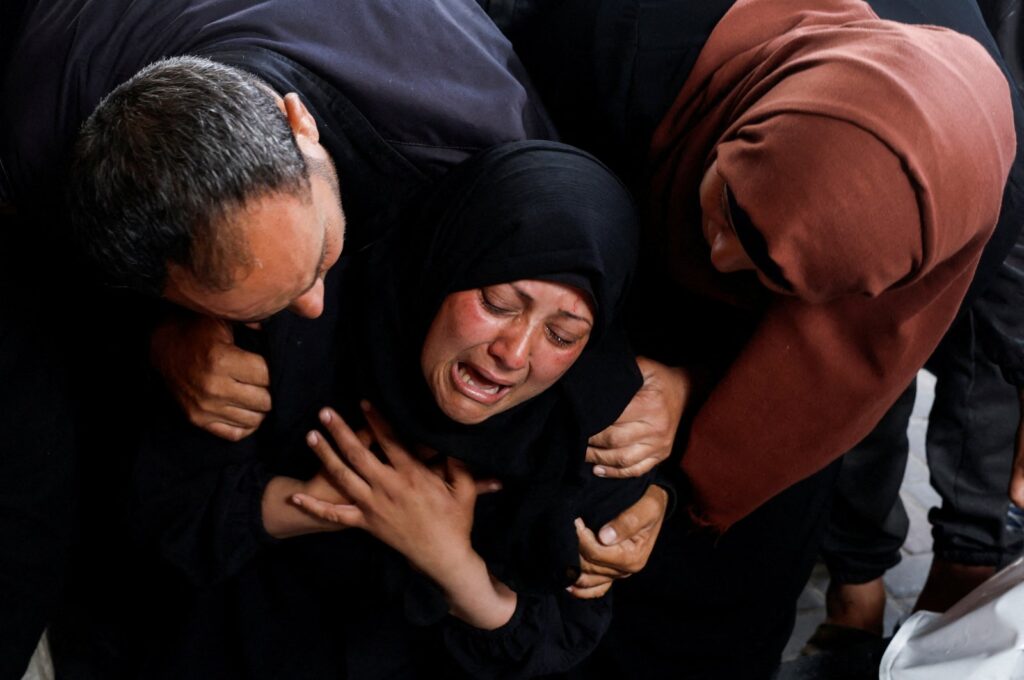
(707, 607)
(868, 523)
(971, 434)
(970, 449)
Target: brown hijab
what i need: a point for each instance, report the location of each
(870, 156)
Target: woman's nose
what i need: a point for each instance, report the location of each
(512, 348)
(311, 303)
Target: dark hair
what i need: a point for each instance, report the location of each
(163, 160)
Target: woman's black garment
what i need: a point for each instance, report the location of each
(342, 604)
(522, 211)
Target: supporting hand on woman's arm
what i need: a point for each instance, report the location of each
(424, 516)
(625, 544)
(644, 434)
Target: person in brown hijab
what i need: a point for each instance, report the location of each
(859, 165)
(821, 185)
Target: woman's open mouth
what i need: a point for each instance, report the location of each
(477, 385)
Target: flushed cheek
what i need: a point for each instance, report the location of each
(546, 369)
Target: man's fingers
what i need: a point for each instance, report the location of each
(595, 557)
(616, 458)
(245, 367)
(618, 434)
(212, 391)
(235, 417)
(641, 516)
(592, 580)
(589, 593)
(346, 515)
(600, 571)
(249, 397)
(232, 433)
(637, 469)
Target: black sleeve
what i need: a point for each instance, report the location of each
(546, 634)
(198, 498)
(549, 632)
(37, 497)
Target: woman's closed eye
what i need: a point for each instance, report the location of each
(561, 337)
(498, 304)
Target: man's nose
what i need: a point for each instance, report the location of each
(311, 303)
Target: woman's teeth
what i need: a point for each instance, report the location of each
(464, 375)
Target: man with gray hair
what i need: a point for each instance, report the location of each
(222, 136)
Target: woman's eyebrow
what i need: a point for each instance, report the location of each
(527, 298)
(575, 317)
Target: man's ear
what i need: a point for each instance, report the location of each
(299, 118)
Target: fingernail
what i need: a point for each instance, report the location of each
(365, 405)
(495, 486)
(608, 536)
(325, 416)
(579, 523)
(297, 501)
(600, 470)
(569, 589)
(312, 438)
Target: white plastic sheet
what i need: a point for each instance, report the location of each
(979, 638)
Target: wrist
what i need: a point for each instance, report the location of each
(474, 595)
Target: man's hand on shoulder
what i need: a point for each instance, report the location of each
(622, 547)
(221, 388)
(644, 434)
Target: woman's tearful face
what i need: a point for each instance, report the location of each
(489, 349)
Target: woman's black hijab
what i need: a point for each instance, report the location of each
(525, 210)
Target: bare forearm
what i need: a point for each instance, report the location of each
(281, 518)
(473, 594)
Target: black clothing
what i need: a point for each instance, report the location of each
(199, 498)
(716, 607)
(385, 57)
(970, 442)
(37, 500)
(400, 91)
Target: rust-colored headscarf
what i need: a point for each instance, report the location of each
(871, 157)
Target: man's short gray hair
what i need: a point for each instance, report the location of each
(164, 159)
